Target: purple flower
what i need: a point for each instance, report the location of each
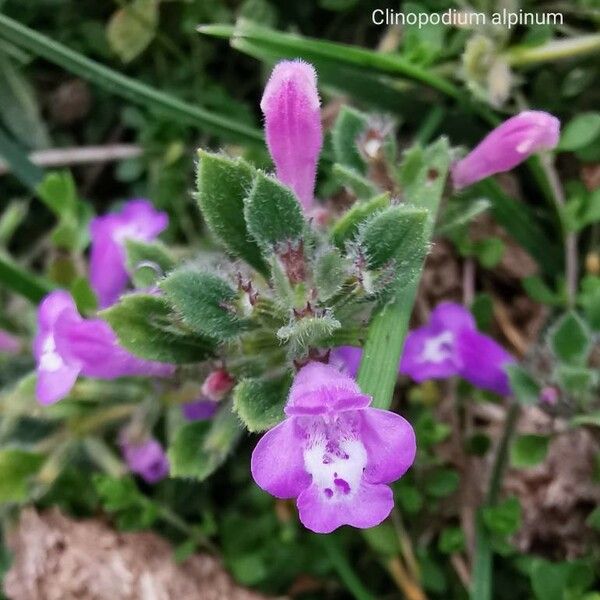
(334, 452)
(549, 395)
(508, 145)
(290, 105)
(137, 220)
(451, 345)
(9, 343)
(146, 459)
(199, 410)
(66, 346)
(346, 359)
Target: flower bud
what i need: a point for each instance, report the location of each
(507, 146)
(290, 105)
(217, 385)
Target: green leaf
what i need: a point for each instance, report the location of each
(580, 131)
(451, 540)
(528, 450)
(394, 241)
(201, 447)
(273, 213)
(348, 127)
(524, 387)
(346, 228)
(308, 332)
(589, 299)
(442, 482)
(259, 402)
(147, 327)
(205, 301)
(350, 178)
(383, 539)
(57, 190)
(132, 28)
(19, 107)
(17, 467)
(147, 262)
(504, 518)
(121, 497)
(329, 273)
(223, 183)
(576, 380)
(537, 289)
(549, 580)
(489, 251)
(410, 498)
(570, 340)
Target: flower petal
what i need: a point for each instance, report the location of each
(346, 359)
(319, 388)
(277, 461)
(429, 355)
(368, 507)
(52, 386)
(390, 443)
(290, 105)
(483, 362)
(450, 316)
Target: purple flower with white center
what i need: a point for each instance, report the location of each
(451, 345)
(66, 346)
(199, 410)
(146, 459)
(291, 107)
(9, 344)
(334, 452)
(507, 146)
(137, 220)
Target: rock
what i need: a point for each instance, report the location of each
(58, 558)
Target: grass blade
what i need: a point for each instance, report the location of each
(18, 280)
(126, 87)
(22, 168)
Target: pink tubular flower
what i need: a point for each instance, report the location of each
(137, 220)
(147, 459)
(66, 346)
(508, 145)
(9, 344)
(290, 105)
(334, 452)
(451, 345)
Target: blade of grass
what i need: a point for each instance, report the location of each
(18, 280)
(311, 49)
(24, 170)
(126, 87)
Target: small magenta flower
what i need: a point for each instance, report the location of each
(199, 410)
(217, 385)
(508, 145)
(9, 344)
(66, 346)
(146, 459)
(334, 452)
(451, 345)
(137, 220)
(291, 107)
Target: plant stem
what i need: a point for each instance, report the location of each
(569, 237)
(482, 567)
(343, 567)
(555, 50)
(131, 89)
